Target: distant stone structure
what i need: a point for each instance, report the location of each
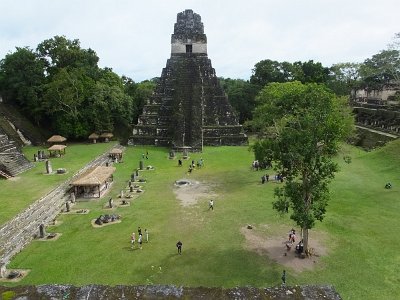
(378, 108)
(189, 107)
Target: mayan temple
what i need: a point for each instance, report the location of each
(188, 107)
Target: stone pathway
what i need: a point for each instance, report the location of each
(377, 131)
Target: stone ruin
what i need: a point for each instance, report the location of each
(104, 219)
(12, 161)
(378, 108)
(188, 108)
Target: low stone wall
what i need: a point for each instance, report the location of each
(100, 292)
(369, 138)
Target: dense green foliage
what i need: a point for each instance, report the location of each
(375, 72)
(360, 262)
(242, 96)
(267, 71)
(61, 87)
(303, 125)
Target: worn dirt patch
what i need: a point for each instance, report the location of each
(192, 193)
(14, 178)
(48, 238)
(22, 275)
(275, 248)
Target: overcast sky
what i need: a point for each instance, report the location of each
(133, 37)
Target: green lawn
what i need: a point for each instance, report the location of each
(19, 192)
(361, 224)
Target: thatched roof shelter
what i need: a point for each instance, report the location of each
(116, 151)
(57, 148)
(93, 136)
(107, 135)
(94, 176)
(56, 139)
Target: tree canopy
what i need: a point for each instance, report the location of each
(301, 126)
(61, 86)
(242, 96)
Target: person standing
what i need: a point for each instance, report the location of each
(179, 246)
(139, 230)
(211, 205)
(140, 241)
(147, 235)
(133, 238)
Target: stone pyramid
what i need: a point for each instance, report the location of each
(188, 107)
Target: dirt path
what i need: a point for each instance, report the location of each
(274, 247)
(194, 192)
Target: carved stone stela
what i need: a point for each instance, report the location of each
(188, 107)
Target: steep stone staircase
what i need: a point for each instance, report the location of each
(12, 161)
(10, 115)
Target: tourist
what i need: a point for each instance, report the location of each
(292, 236)
(180, 162)
(139, 230)
(147, 235)
(267, 177)
(300, 247)
(179, 246)
(140, 241)
(133, 238)
(211, 205)
(263, 178)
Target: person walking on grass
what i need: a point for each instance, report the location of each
(147, 235)
(179, 246)
(211, 205)
(133, 238)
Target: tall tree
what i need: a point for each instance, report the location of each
(344, 77)
(310, 71)
(60, 52)
(381, 68)
(267, 71)
(63, 98)
(21, 78)
(303, 125)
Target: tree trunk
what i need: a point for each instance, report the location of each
(305, 240)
